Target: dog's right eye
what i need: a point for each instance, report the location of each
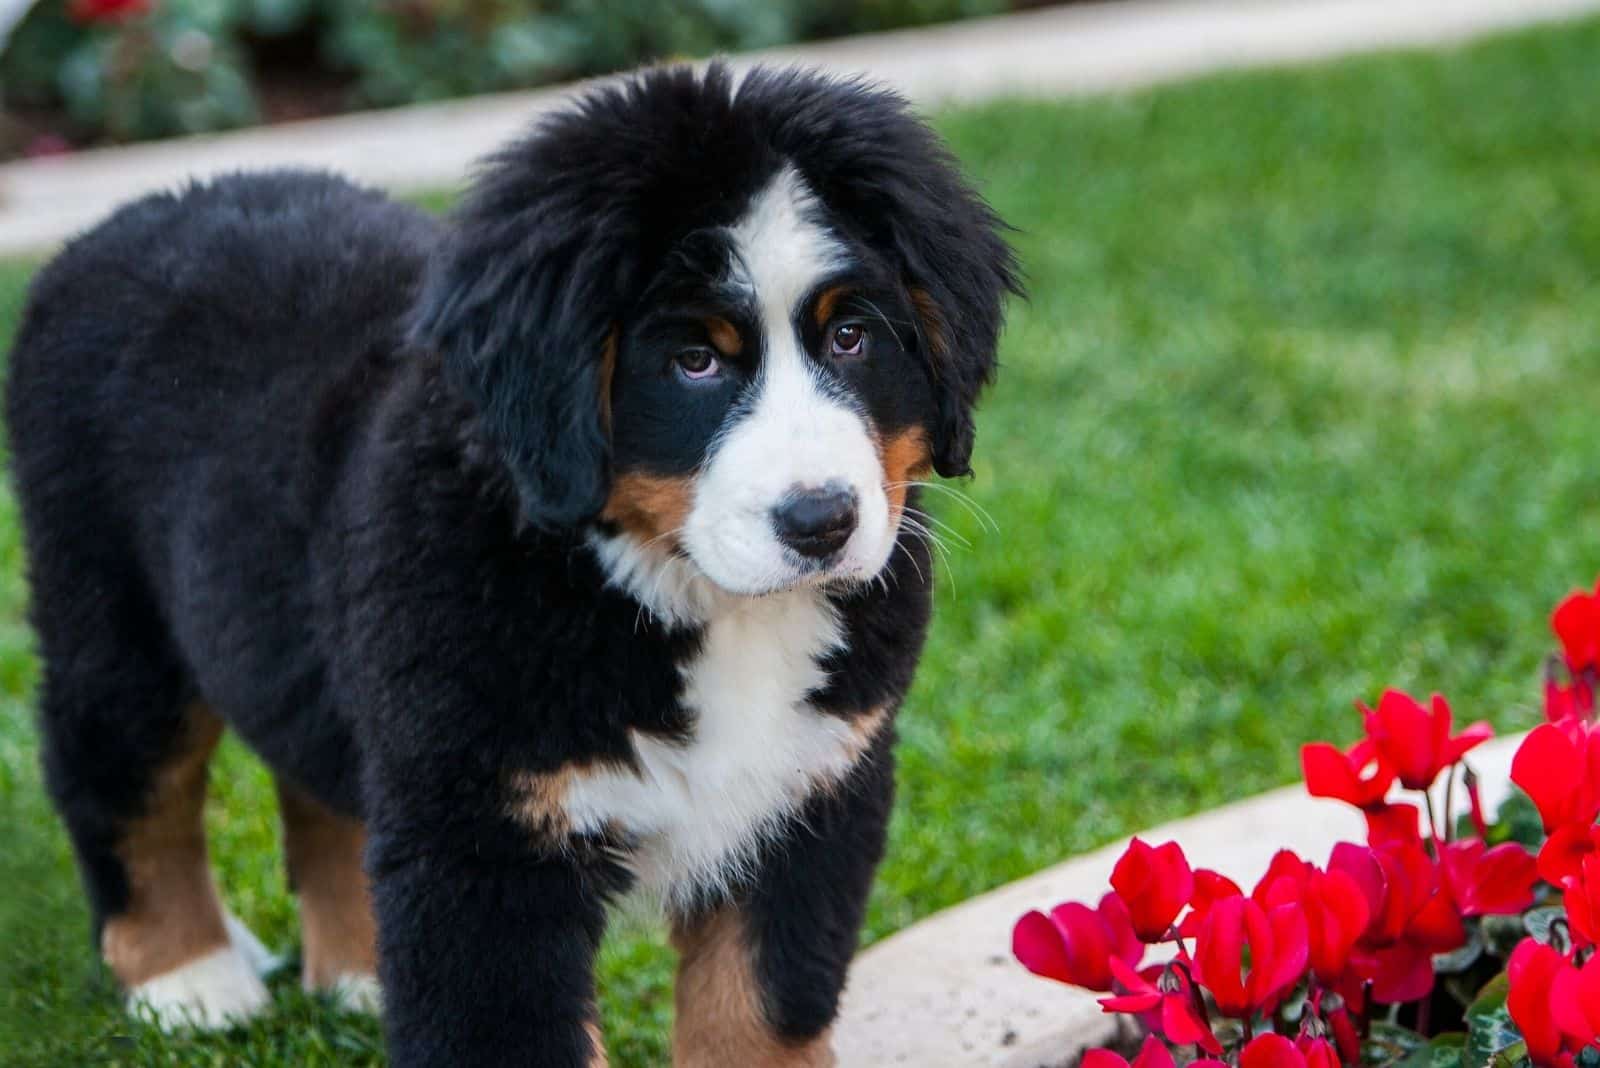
(698, 364)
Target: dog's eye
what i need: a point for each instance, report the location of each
(698, 364)
(849, 340)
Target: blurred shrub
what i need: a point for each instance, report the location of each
(131, 69)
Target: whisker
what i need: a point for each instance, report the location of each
(945, 528)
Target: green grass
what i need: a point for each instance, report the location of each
(1305, 404)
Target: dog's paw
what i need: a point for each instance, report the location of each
(210, 993)
(356, 993)
(261, 959)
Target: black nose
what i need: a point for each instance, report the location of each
(816, 522)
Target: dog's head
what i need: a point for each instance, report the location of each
(730, 318)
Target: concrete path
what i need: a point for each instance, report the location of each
(1084, 48)
(946, 993)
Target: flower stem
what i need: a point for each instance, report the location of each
(1449, 803)
(1433, 822)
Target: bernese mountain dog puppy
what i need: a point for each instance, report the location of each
(561, 548)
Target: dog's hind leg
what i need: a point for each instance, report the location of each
(125, 748)
(338, 933)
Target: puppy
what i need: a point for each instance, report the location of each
(559, 549)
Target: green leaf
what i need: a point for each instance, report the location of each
(1502, 933)
(1493, 1041)
(1517, 821)
(1538, 923)
(1390, 1044)
(1458, 961)
(1442, 1051)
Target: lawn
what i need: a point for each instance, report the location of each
(1305, 403)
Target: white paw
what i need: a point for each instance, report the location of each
(357, 993)
(210, 993)
(261, 959)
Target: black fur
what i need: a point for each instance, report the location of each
(328, 464)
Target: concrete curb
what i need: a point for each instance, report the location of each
(946, 992)
(1054, 51)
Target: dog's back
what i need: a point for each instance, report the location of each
(178, 396)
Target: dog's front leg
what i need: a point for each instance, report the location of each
(760, 974)
(485, 946)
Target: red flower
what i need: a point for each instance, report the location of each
(1153, 1054)
(1170, 996)
(1271, 1051)
(1573, 701)
(1413, 918)
(1534, 969)
(107, 10)
(1398, 822)
(1582, 900)
(1416, 741)
(1075, 944)
(1573, 997)
(1209, 888)
(1558, 767)
(1576, 622)
(1334, 905)
(1238, 934)
(1156, 883)
(1359, 777)
(1562, 855)
(1318, 1052)
(1489, 882)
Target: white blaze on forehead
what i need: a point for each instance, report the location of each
(783, 250)
(795, 434)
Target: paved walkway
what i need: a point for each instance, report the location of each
(1084, 48)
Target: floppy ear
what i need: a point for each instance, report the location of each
(520, 305)
(957, 270)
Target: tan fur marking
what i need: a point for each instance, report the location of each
(906, 458)
(649, 506)
(174, 915)
(338, 931)
(827, 302)
(598, 1058)
(720, 1017)
(538, 801)
(932, 326)
(864, 729)
(724, 336)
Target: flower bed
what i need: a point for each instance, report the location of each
(1438, 942)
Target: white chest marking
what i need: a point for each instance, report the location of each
(698, 809)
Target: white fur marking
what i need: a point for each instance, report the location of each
(261, 959)
(211, 993)
(357, 993)
(701, 807)
(797, 436)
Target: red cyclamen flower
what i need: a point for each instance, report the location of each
(1318, 1052)
(1576, 621)
(1533, 970)
(1156, 883)
(1489, 882)
(1581, 897)
(1416, 741)
(1075, 944)
(1153, 1054)
(1413, 918)
(1237, 932)
(1558, 767)
(1334, 905)
(1359, 777)
(1169, 996)
(1271, 1051)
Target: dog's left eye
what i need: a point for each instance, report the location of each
(849, 340)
